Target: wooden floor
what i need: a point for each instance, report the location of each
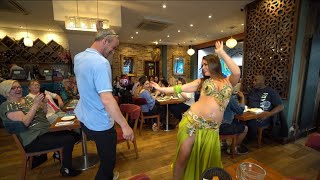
(156, 150)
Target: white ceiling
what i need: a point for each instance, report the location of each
(225, 14)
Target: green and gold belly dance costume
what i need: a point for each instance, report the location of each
(205, 152)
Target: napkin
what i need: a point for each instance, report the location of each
(64, 123)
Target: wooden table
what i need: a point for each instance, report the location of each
(86, 160)
(167, 102)
(250, 115)
(75, 125)
(271, 173)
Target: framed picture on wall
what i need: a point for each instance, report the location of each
(127, 64)
(178, 65)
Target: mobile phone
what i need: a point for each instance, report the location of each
(42, 90)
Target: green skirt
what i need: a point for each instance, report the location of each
(206, 148)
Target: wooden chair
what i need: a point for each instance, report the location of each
(143, 117)
(132, 111)
(260, 130)
(27, 157)
(233, 138)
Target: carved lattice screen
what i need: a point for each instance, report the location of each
(270, 42)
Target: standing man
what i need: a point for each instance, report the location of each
(97, 109)
(266, 98)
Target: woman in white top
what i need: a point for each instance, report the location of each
(178, 109)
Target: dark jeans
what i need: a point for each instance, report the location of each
(51, 140)
(253, 127)
(106, 142)
(229, 129)
(178, 109)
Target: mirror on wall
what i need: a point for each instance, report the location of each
(178, 65)
(127, 64)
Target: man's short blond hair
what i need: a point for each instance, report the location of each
(5, 87)
(106, 33)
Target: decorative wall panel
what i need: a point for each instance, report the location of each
(270, 42)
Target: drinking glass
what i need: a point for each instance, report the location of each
(250, 171)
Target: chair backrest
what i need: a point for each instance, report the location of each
(139, 101)
(133, 111)
(18, 143)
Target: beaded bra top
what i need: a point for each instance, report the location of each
(222, 96)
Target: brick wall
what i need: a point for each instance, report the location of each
(143, 53)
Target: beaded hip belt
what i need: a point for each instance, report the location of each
(196, 122)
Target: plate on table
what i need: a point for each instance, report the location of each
(67, 118)
(255, 110)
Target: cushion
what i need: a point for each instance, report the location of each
(313, 141)
(14, 127)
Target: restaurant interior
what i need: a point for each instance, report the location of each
(279, 39)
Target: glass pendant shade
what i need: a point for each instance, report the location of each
(27, 42)
(190, 51)
(231, 43)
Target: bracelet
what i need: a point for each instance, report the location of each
(177, 89)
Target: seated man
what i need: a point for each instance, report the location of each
(53, 111)
(264, 97)
(230, 126)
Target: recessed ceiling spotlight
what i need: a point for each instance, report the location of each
(221, 30)
(160, 40)
(194, 39)
(164, 6)
(191, 25)
(242, 24)
(178, 30)
(210, 16)
(168, 35)
(131, 37)
(137, 32)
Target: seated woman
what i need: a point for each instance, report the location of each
(150, 108)
(69, 90)
(178, 109)
(198, 135)
(26, 117)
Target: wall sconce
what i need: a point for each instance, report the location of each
(231, 43)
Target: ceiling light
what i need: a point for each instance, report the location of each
(131, 37)
(160, 40)
(209, 16)
(26, 40)
(164, 6)
(221, 30)
(231, 43)
(137, 32)
(155, 42)
(168, 35)
(190, 51)
(191, 25)
(242, 24)
(179, 30)
(85, 23)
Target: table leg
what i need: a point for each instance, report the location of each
(85, 161)
(167, 119)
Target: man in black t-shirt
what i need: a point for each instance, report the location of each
(266, 98)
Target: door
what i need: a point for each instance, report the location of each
(151, 68)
